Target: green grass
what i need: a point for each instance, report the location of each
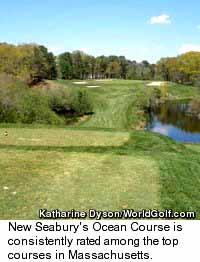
(118, 104)
(102, 163)
(183, 91)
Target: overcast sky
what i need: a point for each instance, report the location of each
(138, 29)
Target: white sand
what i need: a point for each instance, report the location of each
(156, 83)
(80, 83)
(92, 86)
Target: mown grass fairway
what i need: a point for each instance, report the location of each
(102, 163)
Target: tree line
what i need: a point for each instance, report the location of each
(183, 69)
(31, 63)
(79, 65)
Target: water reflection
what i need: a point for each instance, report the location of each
(172, 119)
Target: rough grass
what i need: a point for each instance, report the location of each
(62, 137)
(183, 91)
(102, 163)
(78, 173)
(118, 104)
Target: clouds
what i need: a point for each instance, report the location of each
(189, 47)
(162, 19)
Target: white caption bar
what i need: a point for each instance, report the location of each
(135, 240)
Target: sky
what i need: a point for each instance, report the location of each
(137, 29)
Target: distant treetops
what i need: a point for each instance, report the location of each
(79, 65)
(32, 63)
(29, 63)
(184, 69)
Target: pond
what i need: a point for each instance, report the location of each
(174, 119)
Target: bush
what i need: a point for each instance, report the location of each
(157, 93)
(19, 103)
(9, 103)
(80, 101)
(8, 110)
(34, 108)
(63, 100)
(59, 99)
(194, 107)
(5, 80)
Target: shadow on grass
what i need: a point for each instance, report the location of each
(139, 142)
(69, 149)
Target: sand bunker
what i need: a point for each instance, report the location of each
(92, 86)
(80, 83)
(155, 83)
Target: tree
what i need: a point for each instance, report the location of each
(123, 67)
(28, 62)
(77, 64)
(183, 69)
(65, 66)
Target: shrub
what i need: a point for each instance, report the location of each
(5, 80)
(59, 99)
(8, 110)
(19, 103)
(157, 93)
(34, 107)
(194, 107)
(9, 106)
(63, 100)
(80, 101)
